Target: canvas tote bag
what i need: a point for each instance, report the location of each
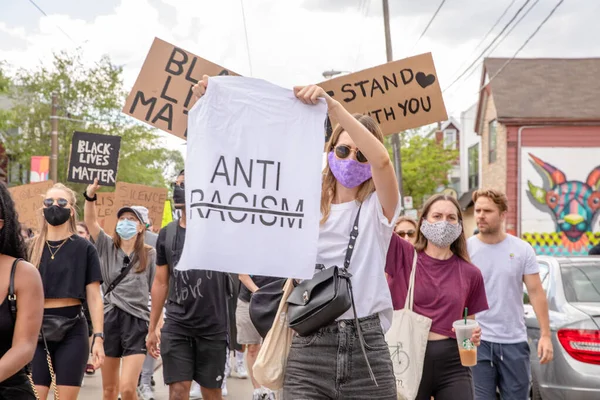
(269, 368)
(407, 340)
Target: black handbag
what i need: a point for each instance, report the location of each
(319, 301)
(264, 304)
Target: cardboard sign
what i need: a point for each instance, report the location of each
(104, 206)
(129, 194)
(399, 95)
(28, 203)
(94, 156)
(162, 94)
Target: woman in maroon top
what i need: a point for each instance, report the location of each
(446, 282)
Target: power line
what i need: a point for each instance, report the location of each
(526, 42)
(484, 38)
(59, 28)
(466, 79)
(489, 45)
(514, 26)
(246, 34)
(428, 25)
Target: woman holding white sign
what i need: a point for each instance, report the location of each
(127, 266)
(359, 175)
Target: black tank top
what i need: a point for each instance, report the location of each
(7, 330)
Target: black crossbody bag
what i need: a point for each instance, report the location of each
(319, 301)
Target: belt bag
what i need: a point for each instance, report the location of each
(317, 302)
(55, 327)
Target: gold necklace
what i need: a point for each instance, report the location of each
(56, 247)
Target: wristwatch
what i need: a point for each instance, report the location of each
(97, 335)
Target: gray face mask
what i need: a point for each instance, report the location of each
(442, 233)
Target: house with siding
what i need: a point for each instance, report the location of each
(539, 123)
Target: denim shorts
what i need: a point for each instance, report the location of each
(329, 364)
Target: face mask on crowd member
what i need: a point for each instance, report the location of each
(57, 210)
(179, 191)
(129, 224)
(350, 172)
(441, 224)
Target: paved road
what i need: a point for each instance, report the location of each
(239, 389)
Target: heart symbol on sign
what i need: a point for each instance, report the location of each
(425, 80)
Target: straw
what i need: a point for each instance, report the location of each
(466, 311)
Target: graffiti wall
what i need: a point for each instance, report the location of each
(560, 199)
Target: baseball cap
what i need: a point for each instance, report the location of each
(140, 212)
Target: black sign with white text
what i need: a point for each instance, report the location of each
(94, 156)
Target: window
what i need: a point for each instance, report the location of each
(493, 141)
(473, 161)
(450, 139)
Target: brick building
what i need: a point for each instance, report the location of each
(539, 122)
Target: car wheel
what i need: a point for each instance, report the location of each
(535, 390)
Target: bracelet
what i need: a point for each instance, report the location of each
(85, 196)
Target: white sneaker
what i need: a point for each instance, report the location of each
(195, 392)
(145, 392)
(224, 391)
(257, 394)
(240, 369)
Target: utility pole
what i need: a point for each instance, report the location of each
(54, 139)
(395, 137)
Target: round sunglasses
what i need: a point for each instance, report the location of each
(62, 203)
(410, 233)
(343, 151)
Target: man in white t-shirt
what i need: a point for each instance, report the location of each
(506, 262)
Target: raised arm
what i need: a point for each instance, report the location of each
(382, 170)
(30, 310)
(89, 211)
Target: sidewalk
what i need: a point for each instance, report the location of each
(239, 389)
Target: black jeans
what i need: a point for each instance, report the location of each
(329, 364)
(444, 377)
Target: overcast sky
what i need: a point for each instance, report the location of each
(292, 42)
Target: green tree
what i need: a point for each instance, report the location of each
(90, 99)
(425, 164)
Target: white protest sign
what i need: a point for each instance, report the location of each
(253, 180)
(408, 202)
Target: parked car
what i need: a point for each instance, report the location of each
(572, 286)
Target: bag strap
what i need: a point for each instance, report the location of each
(410, 295)
(124, 271)
(12, 296)
(352, 242)
(347, 276)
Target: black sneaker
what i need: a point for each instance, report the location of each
(152, 383)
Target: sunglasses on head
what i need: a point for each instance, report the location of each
(62, 203)
(343, 151)
(410, 233)
(181, 185)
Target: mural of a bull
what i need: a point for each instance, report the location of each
(572, 203)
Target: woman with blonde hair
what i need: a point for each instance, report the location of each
(406, 228)
(70, 272)
(445, 284)
(127, 266)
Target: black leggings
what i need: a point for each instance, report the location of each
(444, 377)
(69, 357)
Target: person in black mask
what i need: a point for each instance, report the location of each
(70, 271)
(193, 341)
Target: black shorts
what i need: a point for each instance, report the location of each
(69, 356)
(16, 387)
(124, 334)
(197, 359)
(88, 318)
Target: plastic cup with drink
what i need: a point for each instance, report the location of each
(464, 331)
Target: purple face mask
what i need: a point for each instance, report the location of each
(349, 172)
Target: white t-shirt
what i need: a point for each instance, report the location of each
(503, 266)
(367, 265)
